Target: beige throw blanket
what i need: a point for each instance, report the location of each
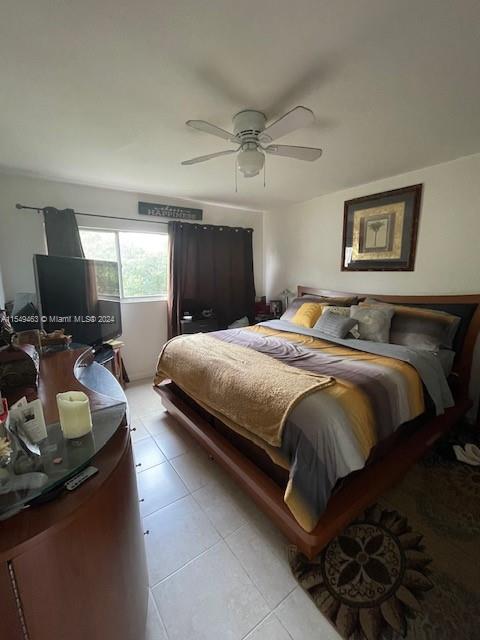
(250, 389)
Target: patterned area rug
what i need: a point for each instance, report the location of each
(409, 567)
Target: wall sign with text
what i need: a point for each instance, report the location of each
(169, 211)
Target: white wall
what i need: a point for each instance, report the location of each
(22, 235)
(2, 293)
(303, 243)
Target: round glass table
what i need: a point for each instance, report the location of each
(38, 472)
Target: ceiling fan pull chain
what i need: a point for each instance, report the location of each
(236, 172)
(264, 174)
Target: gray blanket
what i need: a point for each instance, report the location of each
(427, 363)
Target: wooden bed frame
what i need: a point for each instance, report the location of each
(360, 489)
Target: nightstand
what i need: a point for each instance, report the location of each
(263, 317)
(116, 364)
(202, 325)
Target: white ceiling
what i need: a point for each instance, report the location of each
(97, 91)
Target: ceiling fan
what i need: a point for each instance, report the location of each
(251, 134)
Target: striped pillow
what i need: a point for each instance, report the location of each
(334, 324)
(420, 327)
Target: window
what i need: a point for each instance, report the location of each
(141, 258)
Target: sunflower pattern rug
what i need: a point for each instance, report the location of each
(409, 567)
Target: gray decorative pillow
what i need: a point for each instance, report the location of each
(419, 327)
(334, 324)
(373, 322)
(341, 311)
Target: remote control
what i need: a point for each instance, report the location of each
(80, 478)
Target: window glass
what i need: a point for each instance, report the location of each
(99, 245)
(143, 258)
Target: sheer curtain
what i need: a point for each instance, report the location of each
(210, 267)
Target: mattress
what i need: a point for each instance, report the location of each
(331, 432)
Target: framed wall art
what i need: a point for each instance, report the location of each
(380, 231)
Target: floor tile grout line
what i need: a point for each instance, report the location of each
(222, 538)
(323, 617)
(164, 453)
(180, 455)
(167, 505)
(247, 572)
(171, 467)
(152, 467)
(250, 579)
(282, 625)
(261, 621)
(272, 613)
(297, 586)
(170, 575)
(156, 444)
(190, 493)
(210, 519)
(164, 626)
(280, 556)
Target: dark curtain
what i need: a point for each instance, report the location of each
(210, 267)
(61, 229)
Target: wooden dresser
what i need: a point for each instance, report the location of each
(74, 568)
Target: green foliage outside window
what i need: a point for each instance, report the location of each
(144, 264)
(142, 259)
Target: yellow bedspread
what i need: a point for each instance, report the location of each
(246, 387)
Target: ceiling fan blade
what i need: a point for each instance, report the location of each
(209, 156)
(300, 153)
(295, 119)
(206, 127)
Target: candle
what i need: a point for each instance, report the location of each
(74, 412)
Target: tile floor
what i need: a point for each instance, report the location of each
(217, 567)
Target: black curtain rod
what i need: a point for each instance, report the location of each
(93, 215)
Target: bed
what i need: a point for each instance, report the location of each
(415, 411)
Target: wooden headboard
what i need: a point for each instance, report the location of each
(453, 303)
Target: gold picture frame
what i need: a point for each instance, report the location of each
(380, 231)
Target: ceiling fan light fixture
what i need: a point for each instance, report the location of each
(250, 162)
(251, 134)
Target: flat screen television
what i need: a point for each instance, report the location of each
(78, 295)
